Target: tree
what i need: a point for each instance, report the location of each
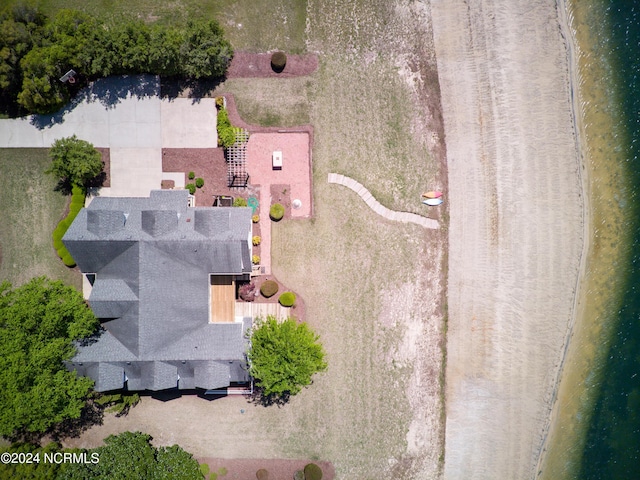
(130, 456)
(35, 470)
(205, 51)
(75, 161)
(39, 322)
(284, 356)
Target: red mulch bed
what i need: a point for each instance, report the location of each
(281, 194)
(248, 65)
(245, 469)
(106, 160)
(209, 164)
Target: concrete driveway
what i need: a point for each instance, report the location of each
(126, 115)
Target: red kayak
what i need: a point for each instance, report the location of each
(433, 194)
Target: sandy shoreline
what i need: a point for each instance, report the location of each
(517, 227)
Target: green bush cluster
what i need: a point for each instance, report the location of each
(77, 202)
(226, 133)
(278, 61)
(37, 51)
(192, 175)
(191, 187)
(287, 299)
(240, 202)
(312, 472)
(199, 182)
(269, 288)
(276, 212)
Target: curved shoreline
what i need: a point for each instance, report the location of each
(573, 52)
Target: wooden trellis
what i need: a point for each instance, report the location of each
(236, 156)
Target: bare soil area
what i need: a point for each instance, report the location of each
(516, 230)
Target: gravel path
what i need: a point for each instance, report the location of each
(405, 217)
(516, 230)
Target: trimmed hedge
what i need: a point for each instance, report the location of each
(312, 472)
(226, 134)
(278, 61)
(240, 202)
(191, 187)
(199, 182)
(77, 203)
(269, 288)
(276, 212)
(287, 299)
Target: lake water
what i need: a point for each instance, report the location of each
(596, 429)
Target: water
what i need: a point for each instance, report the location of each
(596, 429)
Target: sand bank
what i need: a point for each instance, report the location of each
(516, 231)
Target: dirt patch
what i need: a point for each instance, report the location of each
(248, 65)
(245, 469)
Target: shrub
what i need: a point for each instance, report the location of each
(192, 175)
(205, 469)
(255, 259)
(199, 182)
(262, 474)
(278, 61)
(226, 134)
(287, 299)
(299, 475)
(256, 240)
(191, 187)
(77, 202)
(269, 288)
(312, 472)
(219, 102)
(247, 292)
(276, 212)
(255, 218)
(68, 260)
(240, 202)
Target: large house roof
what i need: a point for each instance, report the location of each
(152, 258)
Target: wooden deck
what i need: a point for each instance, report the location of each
(222, 299)
(253, 310)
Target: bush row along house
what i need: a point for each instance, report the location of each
(161, 277)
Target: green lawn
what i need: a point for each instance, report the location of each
(253, 25)
(29, 211)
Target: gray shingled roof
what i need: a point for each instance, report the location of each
(152, 258)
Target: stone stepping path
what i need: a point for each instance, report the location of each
(405, 217)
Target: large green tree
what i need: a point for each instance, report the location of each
(39, 322)
(130, 456)
(284, 356)
(75, 161)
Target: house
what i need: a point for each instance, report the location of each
(161, 278)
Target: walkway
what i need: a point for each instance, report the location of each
(405, 217)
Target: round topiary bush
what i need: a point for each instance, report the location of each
(199, 182)
(278, 61)
(269, 288)
(191, 187)
(262, 474)
(256, 240)
(255, 259)
(276, 212)
(192, 175)
(255, 218)
(287, 299)
(312, 472)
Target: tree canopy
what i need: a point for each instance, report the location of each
(284, 356)
(39, 322)
(35, 52)
(130, 456)
(75, 161)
